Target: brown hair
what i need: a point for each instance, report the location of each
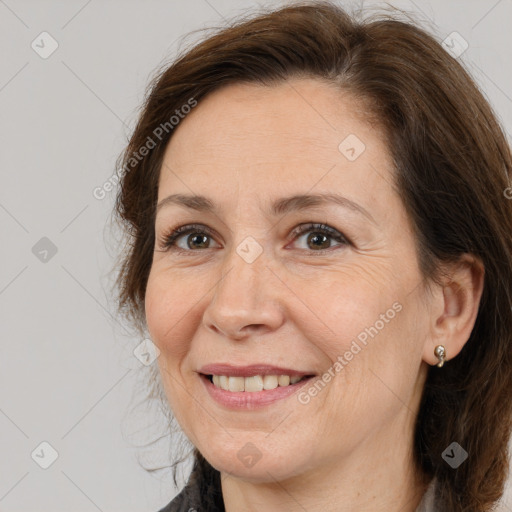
(452, 164)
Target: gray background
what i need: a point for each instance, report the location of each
(68, 375)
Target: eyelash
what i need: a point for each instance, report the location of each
(167, 241)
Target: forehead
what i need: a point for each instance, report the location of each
(299, 134)
(301, 110)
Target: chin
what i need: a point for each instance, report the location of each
(255, 465)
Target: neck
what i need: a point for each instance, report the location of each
(379, 475)
(389, 490)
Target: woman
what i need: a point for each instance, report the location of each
(319, 247)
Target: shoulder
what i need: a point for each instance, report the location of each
(427, 503)
(180, 503)
(198, 495)
(176, 505)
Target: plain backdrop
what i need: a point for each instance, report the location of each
(67, 368)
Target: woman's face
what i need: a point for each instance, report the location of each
(243, 289)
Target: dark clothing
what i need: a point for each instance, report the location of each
(199, 495)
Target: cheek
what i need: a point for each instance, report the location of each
(168, 318)
(169, 309)
(344, 306)
(368, 329)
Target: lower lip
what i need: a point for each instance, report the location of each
(250, 399)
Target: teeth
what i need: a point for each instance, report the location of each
(283, 380)
(255, 383)
(270, 381)
(236, 383)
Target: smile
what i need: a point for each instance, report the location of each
(255, 395)
(254, 383)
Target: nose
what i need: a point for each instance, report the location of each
(245, 299)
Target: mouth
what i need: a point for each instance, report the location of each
(253, 386)
(254, 383)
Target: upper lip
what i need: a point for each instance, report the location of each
(249, 371)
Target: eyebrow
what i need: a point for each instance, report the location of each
(279, 207)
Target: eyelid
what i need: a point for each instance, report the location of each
(168, 239)
(320, 227)
(170, 236)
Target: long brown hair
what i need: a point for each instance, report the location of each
(452, 166)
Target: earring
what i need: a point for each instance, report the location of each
(440, 353)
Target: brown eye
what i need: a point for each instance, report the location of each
(194, 236)
(319, 237)
(319, 240)
(190, 238)
(200, 240)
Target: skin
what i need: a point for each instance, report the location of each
(350, 447)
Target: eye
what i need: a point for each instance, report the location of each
(199, 240)
(319, 236)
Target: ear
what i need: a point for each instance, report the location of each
(455, 308)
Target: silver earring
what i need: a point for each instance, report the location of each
(440, 353)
